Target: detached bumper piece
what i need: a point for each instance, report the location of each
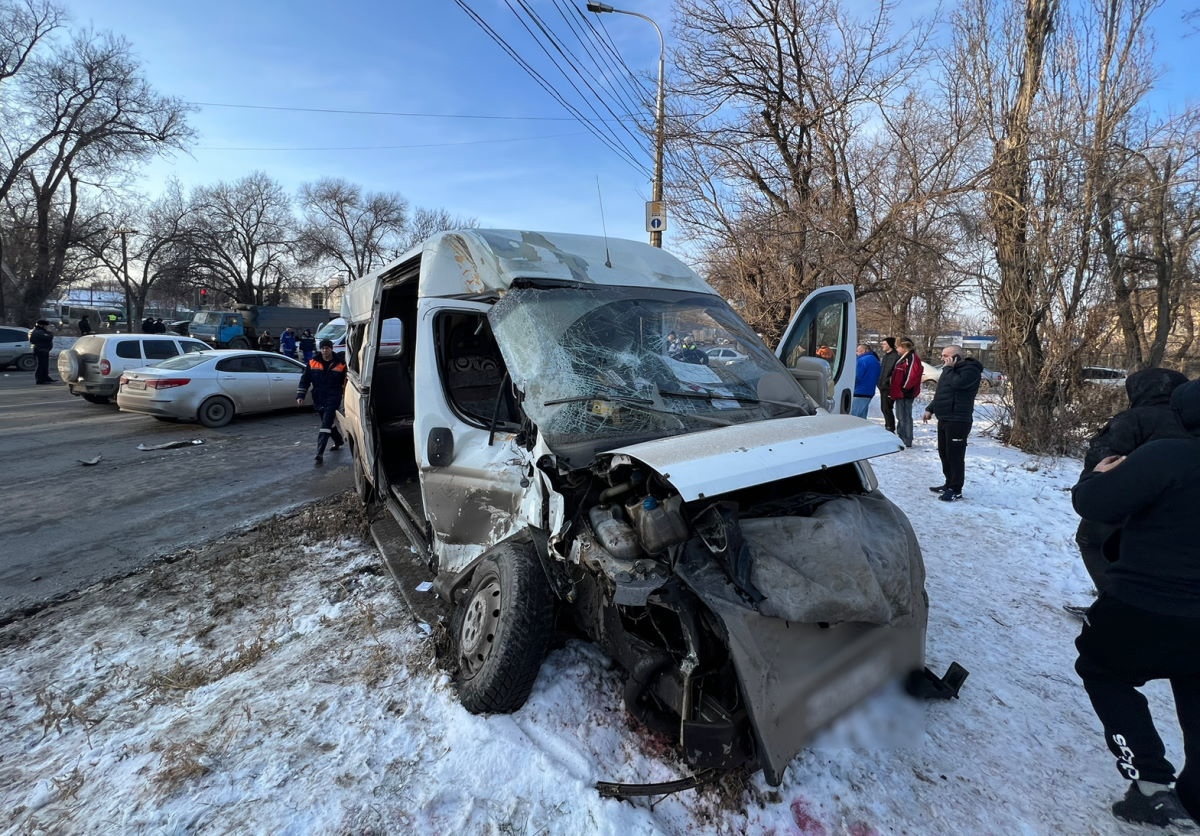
(927, 685)
(608, 789)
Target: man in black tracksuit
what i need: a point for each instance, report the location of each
(326, 373)
(887, 362)
(954, 405)
(1149, 417)
(1146, 623)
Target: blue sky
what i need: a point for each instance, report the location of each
(424, 57)
(535, 169)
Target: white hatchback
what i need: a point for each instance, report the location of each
(92, 367)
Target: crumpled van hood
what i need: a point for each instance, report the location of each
(727, 459)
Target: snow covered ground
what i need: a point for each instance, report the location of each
(274, 684)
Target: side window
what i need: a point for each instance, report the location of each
(11, 335)
(356, 340)
(281, 365)
(473, 372)
(821, 335)
(190, 347)
(241, 365)
(129, 349)
(159, 349)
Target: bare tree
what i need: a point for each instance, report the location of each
(79, 114)
(138, 245)
(241, 238)
(811, 161)
(23, 25)
(345, 228)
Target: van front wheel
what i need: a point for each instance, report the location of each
(501, 630)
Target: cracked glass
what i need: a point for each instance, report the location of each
(600, 367)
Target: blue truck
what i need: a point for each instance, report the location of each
(240, 326)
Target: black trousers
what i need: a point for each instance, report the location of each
(1090, 537)
(1122, 648)
(889, 412)
(42, 373)
(952, 450)
(328, 427)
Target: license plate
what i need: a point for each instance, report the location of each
(136, 384)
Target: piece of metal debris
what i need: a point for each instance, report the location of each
(90, 462)
(170, 444)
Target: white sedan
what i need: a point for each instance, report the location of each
(212, 386)
(725, 357)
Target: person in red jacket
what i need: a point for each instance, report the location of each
(326, 373)
(906, 385)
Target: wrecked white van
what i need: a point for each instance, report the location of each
(714, 528)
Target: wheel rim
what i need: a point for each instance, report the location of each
(479, 626)
(215, 411)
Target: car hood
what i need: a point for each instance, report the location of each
(717, 461)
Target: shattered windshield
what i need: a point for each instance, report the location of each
(601, 367)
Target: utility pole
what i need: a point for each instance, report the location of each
(656, 211)
(124, 232)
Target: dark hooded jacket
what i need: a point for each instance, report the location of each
(957, 386)
(1154, 493)
(1149, 416)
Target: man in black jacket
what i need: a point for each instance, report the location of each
(326, 373)
(954, 405)
(1146, 623)
(41, 340)
(1149, 417)
(887, 362)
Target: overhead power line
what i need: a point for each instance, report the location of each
(617, 118)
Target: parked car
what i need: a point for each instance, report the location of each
(212, 386)
(698, 522)
(93, 366)
(1103, 376)
(988, 379)
(15, 349)
(930, 375)
(726, 356)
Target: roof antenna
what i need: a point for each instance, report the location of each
(603, 226)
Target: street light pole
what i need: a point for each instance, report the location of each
(124, 233)
(658, 213)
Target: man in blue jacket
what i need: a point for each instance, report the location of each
(866, 377)
(326, 373)
(1146, 623)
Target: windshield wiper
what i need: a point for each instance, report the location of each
(598, 397)
(708, 395)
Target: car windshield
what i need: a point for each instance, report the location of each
(207, 318)
(332, 331)
(601, 367)
(183, 361)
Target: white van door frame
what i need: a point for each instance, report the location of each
(827, 316)
(475, 499)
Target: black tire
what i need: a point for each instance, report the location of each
(239, 342)
(501, 630)
(364, 489)
(26, 363)
(101, 399)
(216, 411)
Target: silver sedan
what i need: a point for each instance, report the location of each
(211, 386)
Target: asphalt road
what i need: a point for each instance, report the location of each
(65, 526)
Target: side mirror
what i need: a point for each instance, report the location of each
(440, 447)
